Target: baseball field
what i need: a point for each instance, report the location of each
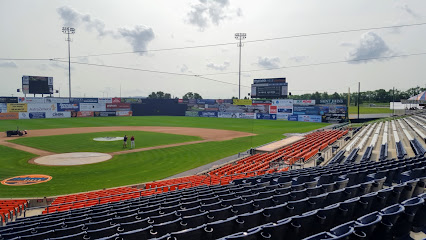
(165, 146)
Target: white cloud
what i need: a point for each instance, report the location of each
(138, 36)
(183, 68)
(9, 64)
(207, 12)
(298, 58)
(73, 18)
(408, 10)
(369, 46)
(267, 62)
(219, 67)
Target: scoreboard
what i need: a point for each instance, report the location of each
(269, 88)
(37, 85)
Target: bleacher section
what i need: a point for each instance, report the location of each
(10, 209)
(355, 200)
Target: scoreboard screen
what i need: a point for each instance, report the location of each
(269, 88)
(37, 85)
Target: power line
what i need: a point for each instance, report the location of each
(25, 59)
(150, 71)
(252, 41)
(318, 64)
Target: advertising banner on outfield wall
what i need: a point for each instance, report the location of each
(207, 114)
(228, 115)
(116, 100)
(261, 102)
(8, 99)
(42, 107)
(105, 114)
(58, 114)
(332, 101)
(266, 116)
(68, 107)
(191, 113)
(56, 100)
(124, 113)
(309, 118)
(3, 107)
(131, 100)
(32, 115)
(242, 101)
(118, 106)
(224, 101)
(310, 110)
(283, 116)
(16, 107)
(85, 114)
(92, 107)
(304, 102)
(83, 100)
(248, 115)
(8, 116)
(31, 100)
(105, 100)
(206, 101)
(244, 108)
(293, 118)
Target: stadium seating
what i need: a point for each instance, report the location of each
(336, 200)
(10, 209)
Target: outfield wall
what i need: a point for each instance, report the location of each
(333, 110)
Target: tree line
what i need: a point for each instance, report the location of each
(162, 95)
(376, 96)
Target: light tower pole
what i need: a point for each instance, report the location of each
(240, 36)
(68, 31)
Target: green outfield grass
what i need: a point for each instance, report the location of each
(85, 143)
(369, 110)
(137, 167)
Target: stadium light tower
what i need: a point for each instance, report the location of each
(240, 36)
(68, 31)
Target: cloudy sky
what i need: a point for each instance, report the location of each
(155, 45)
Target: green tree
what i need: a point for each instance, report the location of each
(191, 95)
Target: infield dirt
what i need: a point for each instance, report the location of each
(204, 133)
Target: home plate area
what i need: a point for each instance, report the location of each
(71, 159)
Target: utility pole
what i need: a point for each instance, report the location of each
(393, 102)
(68, 31)
(240, 36)
(359, 94)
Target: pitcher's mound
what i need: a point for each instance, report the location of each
(71, 159)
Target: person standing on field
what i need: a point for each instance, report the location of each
(132, 142)
(125, 141)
